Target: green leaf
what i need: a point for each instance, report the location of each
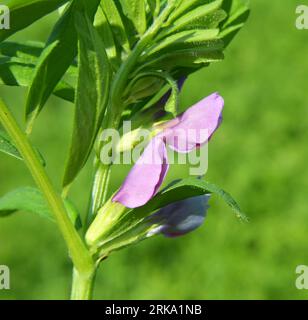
(104, 30)
(115, 21)
(125, 231)
(19, 72)
(25, 12)
(145, 85)
(238, 14)
(210, 51)
(91, 96)
(154, 7)
(185, 6)
(189, 20)
(28, 50)
(182, 40)
(56, 58)
(135, 11)
(188, 188)
(172, 104)
(18, 63)
(32, 200)
(7, 146)
(53, 63)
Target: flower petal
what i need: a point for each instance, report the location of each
(196, 125)
(180, 217)
(145, 178)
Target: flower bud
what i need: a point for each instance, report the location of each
(107, 217)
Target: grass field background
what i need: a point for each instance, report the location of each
(259, 155)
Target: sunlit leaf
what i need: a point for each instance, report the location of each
(27, 50)
(25, 12)
(19, 72)
(32, 200)
(91, 95)
(144, 82)
(209, 51)
(7, 146)
(238, 14)
(135, 11)
(104, 30)
(131, 228)
(55, 59)
(183, 40)
(189, 20)
(114, 18)
(154, 7)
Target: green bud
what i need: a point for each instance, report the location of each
(101, 227)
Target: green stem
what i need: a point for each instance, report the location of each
(101, 182)
(82, 286)
(80, 255)
(98, 193)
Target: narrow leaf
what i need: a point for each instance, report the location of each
(104, 30)
(32, 200)
(28, 50)
(91, 95)
(56, 58)
(210, 51)
(154, 7)
(145, 85)
(19, 72)
(135, 11)
(176, 191)
(183, 40)
(114, 18)
(186, 21)
(187, 188)
(172, 103)
(238, 14)
(25, 12)
(7, 146)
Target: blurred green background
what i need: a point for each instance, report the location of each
(259, 155)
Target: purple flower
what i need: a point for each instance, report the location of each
(180, 217)
(196, 125)
(188, 131)
(145, 178)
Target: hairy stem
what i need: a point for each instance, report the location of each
(80, 255)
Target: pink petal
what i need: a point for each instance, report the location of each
(145, 178)
(196, 125)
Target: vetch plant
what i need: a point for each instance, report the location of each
(116, 61)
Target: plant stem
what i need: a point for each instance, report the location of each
(98, 192)
(80, 255)
(82, 286)
(100, 188)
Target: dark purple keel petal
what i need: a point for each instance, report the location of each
(196, 125)
(146, 177)
(180, 217)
